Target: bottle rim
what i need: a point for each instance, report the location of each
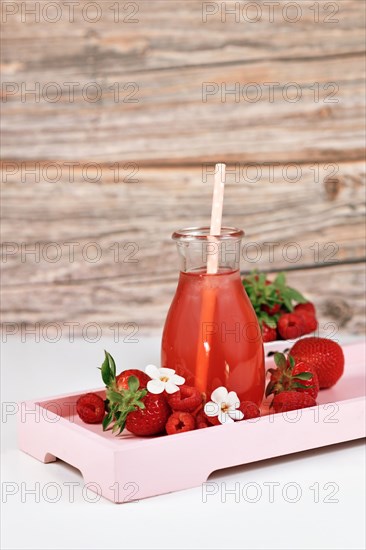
(203, 234)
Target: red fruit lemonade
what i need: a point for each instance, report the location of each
(211, 335)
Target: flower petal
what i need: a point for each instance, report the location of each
(236, 414)
(233, 399)
(224, 418)
(166, 372)
(170, 387)
(155, 386)
(152, 371)
(179, 380)
(219, 395)
(211, 408)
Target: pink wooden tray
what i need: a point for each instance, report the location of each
(129, 468)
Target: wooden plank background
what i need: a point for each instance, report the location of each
(296, 169)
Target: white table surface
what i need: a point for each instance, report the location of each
(327, 484)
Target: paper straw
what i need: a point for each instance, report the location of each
(216, 218)
(204, 350)
(209, 291)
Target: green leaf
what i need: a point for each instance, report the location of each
(107, 376)
(112, 364)
(304, 376)
(296, 295)
(108, 419)
(301, 386)
(288, 303)
(116, 427)
(291, 360)
(133, 383)
(280, 280)
(280, 360)
(114, 396)
(124, 409)
(268, 319)
(270, 388)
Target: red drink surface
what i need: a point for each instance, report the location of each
(212, 337)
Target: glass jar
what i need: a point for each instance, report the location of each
(211, 335)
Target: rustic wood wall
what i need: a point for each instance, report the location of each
(124, 171)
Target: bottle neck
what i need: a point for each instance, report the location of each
(194, 255)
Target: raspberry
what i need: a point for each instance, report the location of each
(90, 408)
(249, 409)
(187, 399)
(290, 326)
(180, 422)
(202, 421)
(213, 420)
(310, 322)
(308, 307)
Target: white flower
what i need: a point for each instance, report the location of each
(224, 405)
(163, 379)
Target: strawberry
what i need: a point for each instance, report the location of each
(187, 398)
(90, 408)
(324, 355)
(202, 420)
(271, 310)
(151, 419)
(269, 334)
(263, 294)
(273, 302)
(307, 307)
(180, 422)
(122, 379)
(118, 383)
(132, 406)
(270, 298)
(290, 326)
(249, 409)
(291, 401)
(275, 308)
(291, 375)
